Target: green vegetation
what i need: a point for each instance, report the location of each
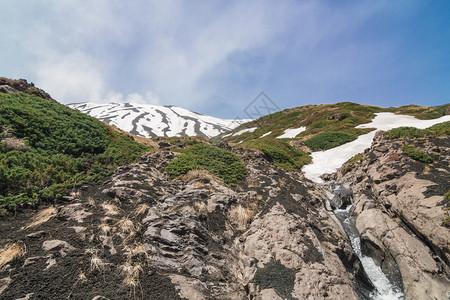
(327, 126)
(412, 132)
(329, 139)
(65, 149)
(221, 163)
(351, 163)
(416, 154)
(280, 153)
(422, 112)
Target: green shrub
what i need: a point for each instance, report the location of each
(351, 163)
(221, 163)
(280, 153)
(329, 139)
(416, 154)
(413, 132)
(66, 148)
(407, 132)
(440, 129)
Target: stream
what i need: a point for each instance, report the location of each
(384, 289)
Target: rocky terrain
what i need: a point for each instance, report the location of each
(142, 235)
(22, 85)
(401, 207)
(88, 212)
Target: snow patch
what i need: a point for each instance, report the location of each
(265, 134)
(291, 133)
(325, 162)
(244, 131)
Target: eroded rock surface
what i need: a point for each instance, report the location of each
(401, 211)
(148, 236)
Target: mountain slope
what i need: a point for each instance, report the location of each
(288, 137)
(154, 120)
(46, 147)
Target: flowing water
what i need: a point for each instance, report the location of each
(385, 290)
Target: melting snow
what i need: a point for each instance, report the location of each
(291, 133)
(244, 130)
(265, 134)
(325, 162)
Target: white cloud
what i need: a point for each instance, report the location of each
(72, 77)
(186, 53)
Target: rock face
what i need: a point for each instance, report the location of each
(401, 211)
(21, 85)
(148, 236)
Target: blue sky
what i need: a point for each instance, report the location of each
(215, 57)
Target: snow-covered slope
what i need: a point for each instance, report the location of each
(326, 162)
(153, 120)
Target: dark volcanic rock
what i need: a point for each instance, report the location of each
(21, 85)
(147, 236)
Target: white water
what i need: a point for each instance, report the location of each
(384, 289)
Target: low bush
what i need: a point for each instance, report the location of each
(280, 153)
(417, 154)
(413, 132)
(329, 139)
(351, 163)
(221, 163)
(64, 149)
(407, 132)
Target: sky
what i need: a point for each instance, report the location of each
(216, 57)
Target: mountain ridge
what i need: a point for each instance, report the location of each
(150, 120)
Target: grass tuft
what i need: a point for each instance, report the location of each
(10, 252)
(42, 217)
(110, 209)
(241, 215)
(97, 264)
(131, 273)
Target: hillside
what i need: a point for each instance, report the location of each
(88, 211)
(148, 120)
(165, 228)
(288, 137)
(47, 149)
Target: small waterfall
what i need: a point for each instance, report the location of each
(385, 290)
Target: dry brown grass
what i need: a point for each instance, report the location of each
(136, 250)
(241, 215)
(10, 252)
(252, 183)
(41, 217)
(200, 207)
(141, 209)
(105, 228)
(139, 139)
(126, 226)
(199, 174)
(75, 194)
(198, 184)
(110, 209)
(131, 273)
(97, 264)
(282, 182)
(91, 201)
(82, 277)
